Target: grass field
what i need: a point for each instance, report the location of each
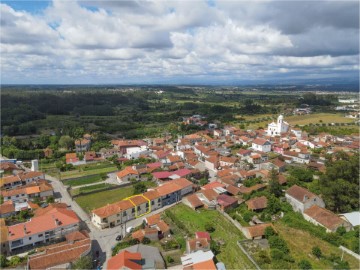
(301, 243)
(99, 199)
(80, 172)
(301, 119)
(230, 254)
(84, 181)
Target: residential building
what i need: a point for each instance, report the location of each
(301, 199)
(130, 208)
(61, 255)
(262, 145)
(257, 203)
(20, 179)
(137, 257)
(44, 228)
(256, 231)
(325, 218)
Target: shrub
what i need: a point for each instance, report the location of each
(263, 258)
(316, 251)
(3, 261)
(279, 243)
(209, 228)
(215, 247)
(247, 216)
(146, 241)
(276, 254)
(169, 259)
(341, 231)
(14, 261)
(269, 231)
(305, 265)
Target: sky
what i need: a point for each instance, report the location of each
(178, 42)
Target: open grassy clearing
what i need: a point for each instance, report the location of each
(301, 243)
(80, 173)
(99, 199)
(230, 253)
(84, 181)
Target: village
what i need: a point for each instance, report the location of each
(218, 198)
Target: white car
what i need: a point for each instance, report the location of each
(129, 229)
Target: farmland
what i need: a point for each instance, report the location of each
(224, 232)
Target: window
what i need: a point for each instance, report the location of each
(138, 208)
(147, 204)
(118, 215)
(133, 210)
(152, 202)
(118, 221)
(159, 200)
(17, 196)
(124, 214)
(40, 235)
(29, 238)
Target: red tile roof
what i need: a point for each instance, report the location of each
(299, 193)
(213, 185)
(325, 217)
(257, 203)
(125, 260)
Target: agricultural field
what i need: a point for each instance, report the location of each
(301, 120)
(91, 188)
(93, 201)
(89, 169)
(84, 181)
(225, 232)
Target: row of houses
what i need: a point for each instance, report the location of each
(120, 212)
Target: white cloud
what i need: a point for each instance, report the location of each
(156, 39)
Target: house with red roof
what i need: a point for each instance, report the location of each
(262, 145)
(301, 199)
(226, 202)
(43, 228)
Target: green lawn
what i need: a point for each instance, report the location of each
(84, 181)
(230, 254)
(99, 199)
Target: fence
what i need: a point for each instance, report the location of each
(348, 251)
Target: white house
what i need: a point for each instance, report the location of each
(261, 145)
(301, 199)
(277, 128)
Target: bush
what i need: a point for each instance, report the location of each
(169, 259)
(305, 265)
(209, 228)
(3, 261)
(247, 216)
(316, 251)
(269, 231)
(146, 241)
(14, 261)
(263, 258)
(215, 247)
(278, 243)
(276, 254)
(341, 231)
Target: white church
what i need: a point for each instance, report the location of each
(279, 127)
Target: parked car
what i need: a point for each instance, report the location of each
(129, 229)
(119, 237)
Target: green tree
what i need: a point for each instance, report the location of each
(66, 142)
(316, 251)
(82, 263)
(274, 185)
(304, 265)
(273, 205)
(14, 261)
(340, 184)
(139, 188)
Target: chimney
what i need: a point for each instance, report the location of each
(306, 198)
(25, 232)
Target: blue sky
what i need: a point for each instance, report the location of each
(211, 42)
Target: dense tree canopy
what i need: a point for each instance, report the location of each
(340, 184)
